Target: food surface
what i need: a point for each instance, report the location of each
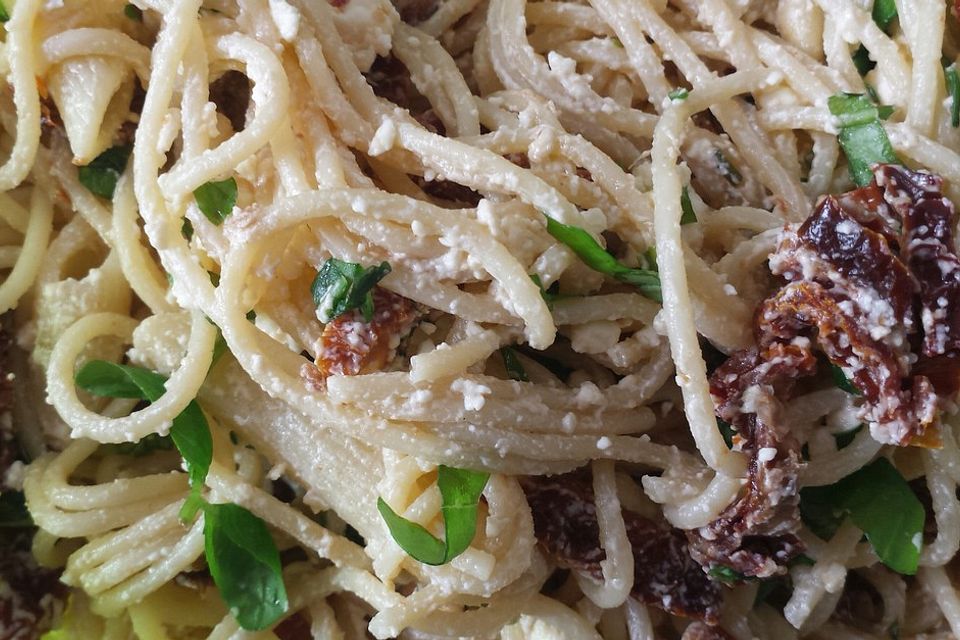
(479, 319)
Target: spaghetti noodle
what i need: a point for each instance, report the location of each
(377, 250)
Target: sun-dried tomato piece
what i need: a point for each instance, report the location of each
(350, 345)
(565, 523)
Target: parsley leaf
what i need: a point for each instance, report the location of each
(880, 502)
(862, 61)
(597, 258)
(4, 16)
(686, 206)
(549, 294)
(842, 381)
(460, 491)
(884, 11)
(101, 175)
(952, 80)
(512, 364)
(217, 199)
(678, 94)
(342, 286)
(726, 574)
(727, 431)
(245, 565)
(13, 511)
(144, 446)
(189, 432)
(862, 137)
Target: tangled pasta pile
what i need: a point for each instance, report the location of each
(480, 318)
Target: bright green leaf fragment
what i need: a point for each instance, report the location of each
(4, 16)
(842, 381)
(245, 565)
(133, 12)
(884, 11)
(101, 175)
(880, 502)
(190, 432)
(862, 137)
(343, 286)
(143, 447)
(597, 258)
(689, 216)
(952, 81)
(679, 94)
(460, 491)
(217, 199)
(13, 511)
(549, 294)
(726, 574)
(512, 364)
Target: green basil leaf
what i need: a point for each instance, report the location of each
(727, 431)
(952, 81)
(864, 141)
(343, 286)
(143, 447)
(678, 94)
(460, 491)
(13, 511)
(101, 175)
(726, 574)
(884, 11)
(597, 258)
(4, 16)
(880, 502)
(842, 381)
(550, 294)
(245, 565)
(133, 12)
(189, 432)
(862, 61)
(111, 380)
(513, 366)
(686, 206)
(217, 199)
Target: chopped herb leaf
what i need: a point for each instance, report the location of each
(616, 42)
(217, 199)
(13, 511)
(802, 560)
(727, 170)
(679, 94)
(862, 61)
(952, 81)
(686, 206)
(4, 16)
(190, 432)
(245, 565)
(884, 11)
(597, 258)
(727, 431)
(549, 294)
(133, 12)
(842, 381)
(343, 286)
(726, 574)
(460, 491)
(101, 175)
(186, 229)
(251, 315)
(862, 137)
(650, 259)
(143, 447)
(512, 364)
(880, 502)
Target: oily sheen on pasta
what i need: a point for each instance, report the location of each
(679, 275)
